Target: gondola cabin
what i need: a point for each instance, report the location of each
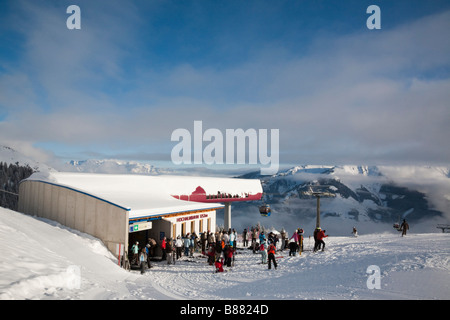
(264, 210)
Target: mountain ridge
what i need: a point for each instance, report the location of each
(379, 194)
(362, 194)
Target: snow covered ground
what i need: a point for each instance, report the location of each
(44, 260)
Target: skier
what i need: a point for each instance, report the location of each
(404, 227)
(263, 249)
(135, 250)
(262, 237)
(316, 242)
(186, 243)
(211, 239)
(295, 237)
(275, 240)
(320, 236)
(283, 239)
(233, 239)
(211, 255)
(142, 260)
(218, 250)
(148, 251)
(293, 246)
(254, 234)
(219, 265)
(169, 252)
(163, 248)
(226, 237)
(355, 232)
(271, 237)
(192, 245)
(300, 240)
(178, 247)
(203, 239)
(271, 252)
(244, 237)
(151, 247)
(218, 235)
(228, 254)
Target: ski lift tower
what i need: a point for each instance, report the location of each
(318, 194)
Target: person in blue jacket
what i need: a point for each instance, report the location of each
(262, 237)
(191, 245)
(187, 241)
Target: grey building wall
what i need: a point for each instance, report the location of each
(76, 210)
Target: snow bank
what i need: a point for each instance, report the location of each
(44, 260)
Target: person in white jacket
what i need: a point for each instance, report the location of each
(233, 239)
(178, 246)
(226, 238)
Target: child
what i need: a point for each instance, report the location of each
(211, 255)
(293, 246)
(263, 249)
(219, 265)
(228, 255)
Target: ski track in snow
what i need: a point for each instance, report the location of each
(37, 257)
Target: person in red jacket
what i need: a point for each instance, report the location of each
(271, 253)
(320, 236)
(163, 248)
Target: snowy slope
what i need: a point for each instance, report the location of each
(41, 260)
(10, 155)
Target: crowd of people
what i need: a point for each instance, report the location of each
(220, 247)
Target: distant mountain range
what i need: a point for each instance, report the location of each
(357, 195)
(370, 197)
(113, 166)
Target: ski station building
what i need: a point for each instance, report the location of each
(122, 209)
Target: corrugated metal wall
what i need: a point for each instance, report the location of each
(76, 210)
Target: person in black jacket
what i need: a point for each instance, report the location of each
(245, 239)
(169, 251)
(404, 227)
(143, 260)
(293, 247)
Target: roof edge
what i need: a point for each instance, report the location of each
(77, 190)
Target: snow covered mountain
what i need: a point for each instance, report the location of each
(369, 197)
(362, 196)
(11, 156)
(113, 166)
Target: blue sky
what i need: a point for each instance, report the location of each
(137, 70)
